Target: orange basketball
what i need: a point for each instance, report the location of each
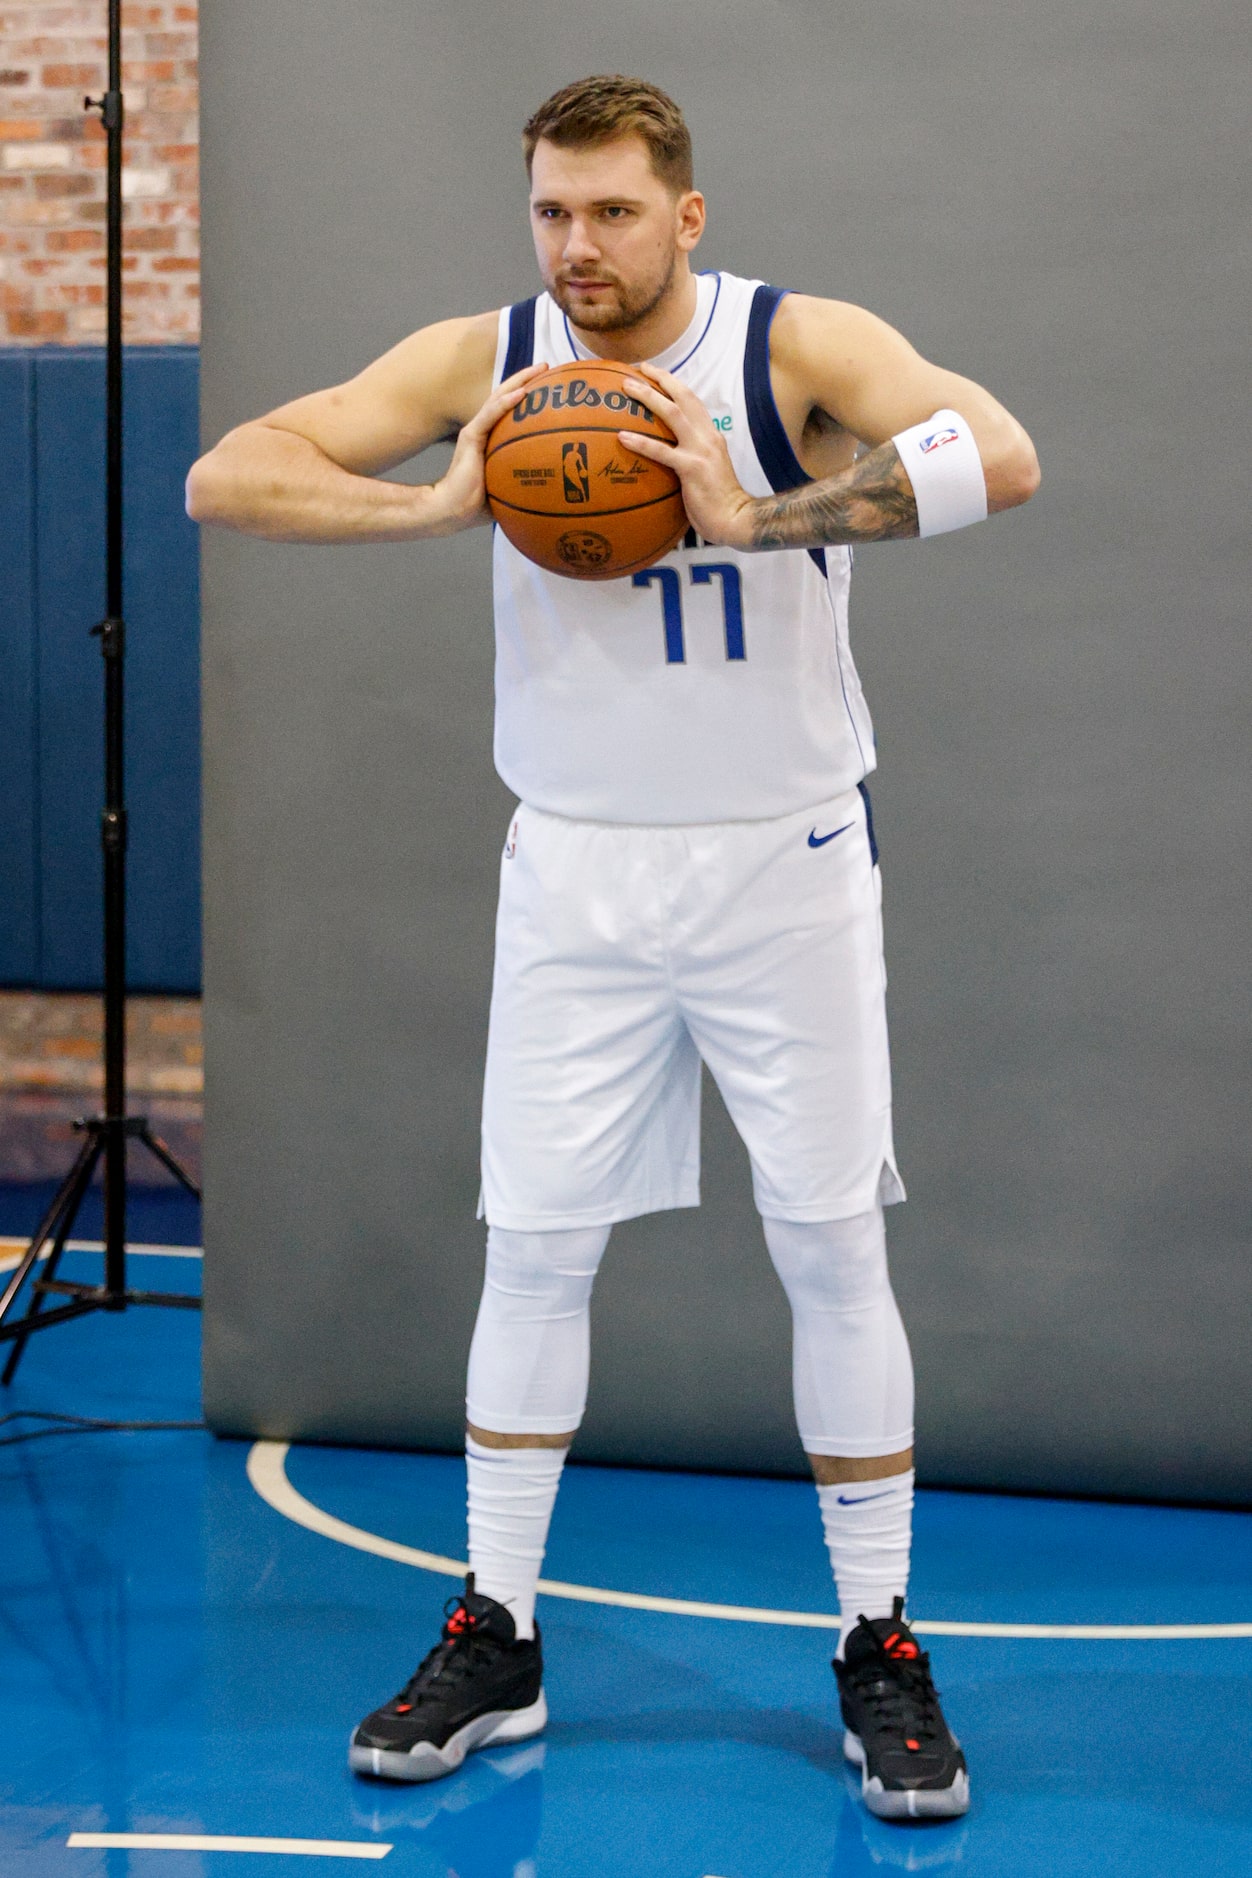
(567, 493)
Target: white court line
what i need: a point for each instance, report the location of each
(12, 1251)
(209, 1842)
(268, 1473)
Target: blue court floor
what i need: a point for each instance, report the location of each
(182, 1658)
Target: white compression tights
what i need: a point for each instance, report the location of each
(527, 1376)
(528, 1369)
(531, 1352)
(853, 1381)
(851, 1369)
(852, 1374)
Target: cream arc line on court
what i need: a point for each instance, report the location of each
(267, 1472)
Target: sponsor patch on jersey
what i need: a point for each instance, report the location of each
(937, 438)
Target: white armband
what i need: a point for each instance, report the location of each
(945, 469)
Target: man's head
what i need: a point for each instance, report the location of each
(613, 211)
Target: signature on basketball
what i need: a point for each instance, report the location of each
(616, 472)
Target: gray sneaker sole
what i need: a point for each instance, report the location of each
(909, 1802)
(427, 1762)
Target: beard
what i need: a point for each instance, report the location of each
(617, 310)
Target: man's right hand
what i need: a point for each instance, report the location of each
(314, 470)
(460, 494)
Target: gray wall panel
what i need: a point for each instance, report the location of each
(1045, 199)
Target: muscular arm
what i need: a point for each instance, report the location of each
(854, 368)
(861, 377)
(870, 501)
(310, 470)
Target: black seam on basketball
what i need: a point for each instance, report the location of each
(586, 515)
(633, 567)
(612, 573)
(565, 430)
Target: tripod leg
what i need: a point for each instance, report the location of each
(47, 1225)
(56, 1223)
(156, 1146)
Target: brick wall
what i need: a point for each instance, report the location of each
(52, 157)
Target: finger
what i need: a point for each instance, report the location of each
(685, 407)
(651, 395)
(682, 395)
(651, 447)
(660, 376)
(523, 377)
(502, 399)
(510, 391)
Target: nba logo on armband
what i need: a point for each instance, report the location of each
(938, 437)
(510, 846)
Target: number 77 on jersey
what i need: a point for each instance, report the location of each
(703, 574)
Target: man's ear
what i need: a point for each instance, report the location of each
(691, 216)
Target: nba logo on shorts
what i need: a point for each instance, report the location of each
(938, 437)
(510, 846)
(574, 470)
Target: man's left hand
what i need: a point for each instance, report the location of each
(717, 505)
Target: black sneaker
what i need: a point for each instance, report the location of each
(479, 1686)
(911, 1764)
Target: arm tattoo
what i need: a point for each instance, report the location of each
(872, 501)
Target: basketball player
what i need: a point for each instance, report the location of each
(691, 872)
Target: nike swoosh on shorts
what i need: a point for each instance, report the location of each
(819, 841)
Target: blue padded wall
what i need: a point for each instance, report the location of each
(61, 720)
(19, 927)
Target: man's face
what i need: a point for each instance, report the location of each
(608, 232)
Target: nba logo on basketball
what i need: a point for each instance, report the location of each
(938, 437)
(574, 469)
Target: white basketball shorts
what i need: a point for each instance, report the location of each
(624, 955)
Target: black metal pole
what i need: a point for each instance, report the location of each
(113, 646)
(109, 1133)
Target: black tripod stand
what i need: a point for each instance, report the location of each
(107, 1135)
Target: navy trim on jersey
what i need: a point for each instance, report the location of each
(769, 439)
(869, 824)
(521, 347)
(717, 293)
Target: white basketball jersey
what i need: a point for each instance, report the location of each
(713, 686)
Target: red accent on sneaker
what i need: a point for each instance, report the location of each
(402, 1708)
(460, 1620)
(903, 1647)
(915, 1746)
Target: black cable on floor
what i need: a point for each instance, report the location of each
(78, 1425)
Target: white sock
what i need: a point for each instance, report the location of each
(868, 1525)
(511, 1493)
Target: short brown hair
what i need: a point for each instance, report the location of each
(596, 110)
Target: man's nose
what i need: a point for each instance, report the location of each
(579, 244)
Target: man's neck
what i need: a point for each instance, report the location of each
(649, 337)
